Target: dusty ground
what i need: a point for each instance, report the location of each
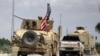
(5, 54)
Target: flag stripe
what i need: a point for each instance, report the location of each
(44, 24)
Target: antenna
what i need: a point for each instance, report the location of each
(60, 28)
(60, 18)
(67, 30)
(12, 24)
(99, 7)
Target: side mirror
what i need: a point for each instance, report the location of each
(96, 38)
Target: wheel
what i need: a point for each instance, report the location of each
(22, 54)
(61, 53)
(81, 54)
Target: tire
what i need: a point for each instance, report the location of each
(81, 54)
(22, 54)
(61, 53)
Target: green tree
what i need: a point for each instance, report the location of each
(5, 45)
(98, 47)
(97, 27)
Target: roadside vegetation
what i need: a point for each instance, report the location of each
(98, 47)
(5, 45)
(97, 28)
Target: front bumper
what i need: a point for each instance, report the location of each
(69, 49)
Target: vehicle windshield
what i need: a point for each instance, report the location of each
(71, 38)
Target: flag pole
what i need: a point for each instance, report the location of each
(12, 24)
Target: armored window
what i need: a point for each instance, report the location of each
(27, 23)
(26, 26)
(33, 23)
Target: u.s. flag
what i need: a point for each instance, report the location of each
(44, 25)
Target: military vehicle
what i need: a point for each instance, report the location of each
(86, 38)
(30, 39)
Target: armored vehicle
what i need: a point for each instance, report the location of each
(86, 38)
(30, 39)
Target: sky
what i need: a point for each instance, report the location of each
(75, 13)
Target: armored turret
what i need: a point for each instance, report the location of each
(33, 24)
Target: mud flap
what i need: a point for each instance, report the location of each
(54, 49)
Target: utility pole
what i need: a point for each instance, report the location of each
(99, 8)
(12, 24)
(59, 32)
